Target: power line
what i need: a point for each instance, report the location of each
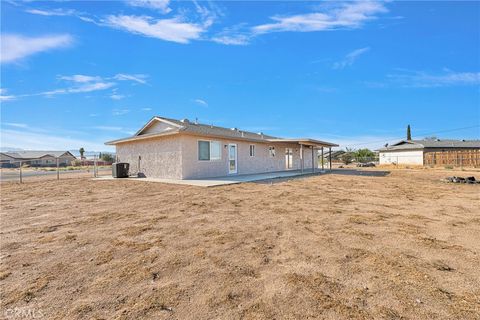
(425, 134)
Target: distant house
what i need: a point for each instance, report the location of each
(180, 149)
(36, 158)
(423, 152)
(335, 155)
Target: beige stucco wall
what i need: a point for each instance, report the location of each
(402, 157)
(157, 127)
(176, 157)
(160, 157)
(262, 162)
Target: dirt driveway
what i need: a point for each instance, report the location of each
(402, 246)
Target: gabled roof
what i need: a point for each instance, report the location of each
(187, 127)
(432, 143)
(29, 154)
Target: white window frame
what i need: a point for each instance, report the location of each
(210, 142)
(251, 150)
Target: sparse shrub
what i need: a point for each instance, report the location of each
(347, 158)
(449, 167)
(107, 157)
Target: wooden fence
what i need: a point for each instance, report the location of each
(457, 158)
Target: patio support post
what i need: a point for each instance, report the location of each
(330, 158)
(322, 160)
(313, 160)
(301, 157)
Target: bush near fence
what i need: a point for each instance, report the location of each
(92, 162)
(456, 158)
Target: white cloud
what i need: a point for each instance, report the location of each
(237, 39)
(233, 36)
(421, 79)
(116, 96)
(350, 58)
(30, 140)
(348, 15)
(16, 47)
(173, 29)
(108, 128)
(54, 12)
(236, 35)
(140, 78)
(113, 129)
(4, 97)
(88, 87)
(92, 87)
(201, 102)
(120, 112)
(80, 78)
(83, 83)
(146, 109)
(160, 5)
(16, 125)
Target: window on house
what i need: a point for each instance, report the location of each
(252, 150)
(271, 151)
(215, 150)
(203, 150)
(209, 150)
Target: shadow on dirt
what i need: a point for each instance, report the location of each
(348, 172)
(355, 172)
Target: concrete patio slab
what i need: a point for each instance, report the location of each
(221, 181)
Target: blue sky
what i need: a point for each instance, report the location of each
(76, 74)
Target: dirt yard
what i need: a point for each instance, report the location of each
(402, 246)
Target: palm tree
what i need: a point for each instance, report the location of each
(409, 133)
(82, 151)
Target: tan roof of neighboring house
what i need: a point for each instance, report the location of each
(29, 154)
(187, 127)
(432, 143)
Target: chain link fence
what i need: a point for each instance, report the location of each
(53, 169)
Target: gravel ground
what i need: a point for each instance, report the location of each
(401, 246)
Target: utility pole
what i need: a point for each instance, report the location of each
(95, 165)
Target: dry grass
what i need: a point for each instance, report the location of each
(404, 246)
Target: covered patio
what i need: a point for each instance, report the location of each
(314, 145)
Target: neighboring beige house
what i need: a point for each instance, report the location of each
(416, 152)
(180, 149)
(36, 158)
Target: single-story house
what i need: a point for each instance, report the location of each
(36, 158)
(180, 149)
(334, 155)
(419, 152)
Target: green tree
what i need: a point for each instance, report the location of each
(364, 155)
(107, 157)
(82, 151)
(409, 133)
